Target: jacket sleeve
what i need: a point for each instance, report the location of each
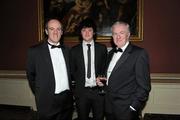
(142, 72)
(30, 69)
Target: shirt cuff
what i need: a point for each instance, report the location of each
(132, 108)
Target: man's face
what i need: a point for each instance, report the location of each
(87, 34)
(120, 34)
(54, 31)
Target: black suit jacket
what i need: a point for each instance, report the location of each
(78, 65)
(129, 82)
(40, 75)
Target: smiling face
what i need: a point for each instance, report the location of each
(54, 31)
(120, 34)
(87, 34)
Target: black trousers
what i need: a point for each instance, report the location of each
(90, 101)
(62, 107)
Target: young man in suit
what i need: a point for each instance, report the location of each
(128, 77)
(48, 73)
(85, 70)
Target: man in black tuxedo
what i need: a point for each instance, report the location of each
(85, 70)
(48, 73)
(128, 77)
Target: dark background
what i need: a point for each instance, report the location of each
(19, 30)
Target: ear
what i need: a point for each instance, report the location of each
(46, 31)
(61, 32)
(129, 34)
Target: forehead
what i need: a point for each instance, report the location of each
(54, 23)
(86, 28)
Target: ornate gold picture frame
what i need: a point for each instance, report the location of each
(104, 12)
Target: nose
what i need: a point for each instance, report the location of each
(87, 33)
(118, 36)
(55, 31)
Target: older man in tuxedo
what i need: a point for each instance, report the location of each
(128, 77)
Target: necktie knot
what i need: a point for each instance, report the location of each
(118, 50)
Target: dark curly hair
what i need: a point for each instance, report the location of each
(87, 23)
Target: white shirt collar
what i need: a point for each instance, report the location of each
(85, 43)
(53, 43)
(125, 46)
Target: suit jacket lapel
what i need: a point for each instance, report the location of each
(80, 57)
(123, 57)
(46, 53)
(47, 57)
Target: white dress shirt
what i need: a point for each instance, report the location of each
(89, 82)
(60, 70)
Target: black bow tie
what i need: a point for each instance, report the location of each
(55, 46)
(118, 50)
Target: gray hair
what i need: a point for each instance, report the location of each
(121, 23)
